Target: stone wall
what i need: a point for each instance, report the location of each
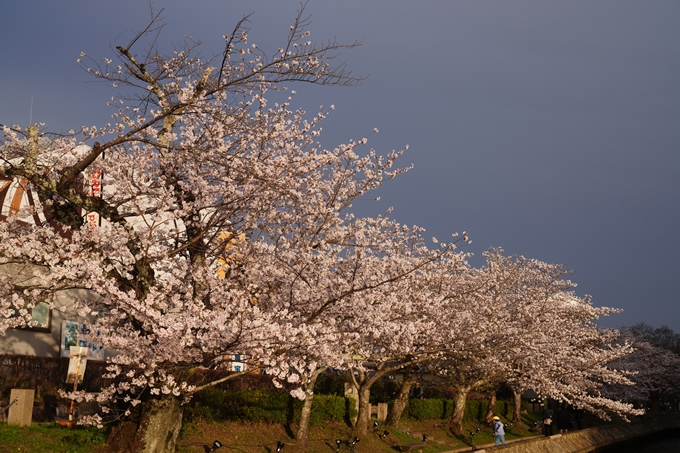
(591, 440)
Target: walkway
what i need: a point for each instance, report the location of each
(584, 441)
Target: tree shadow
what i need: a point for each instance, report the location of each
(290, 417)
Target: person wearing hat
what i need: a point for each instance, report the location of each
(498, 430)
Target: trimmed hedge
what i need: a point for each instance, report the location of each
(435, 409)
(427, 409)
(263, 406)
(327, 407)
(475, 410)
(279, 407)
(253, 406)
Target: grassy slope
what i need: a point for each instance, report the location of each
(243, 437)
(253, 438)
(50, 438)
(197, 436)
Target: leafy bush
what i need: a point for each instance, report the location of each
(426, 409)
(475, 410)
(435, 409)
(262, 406)
(206, 404)
(279, 407)
(326, 407)
(256, 406)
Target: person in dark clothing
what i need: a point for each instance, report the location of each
(548, 417)
(563, 420)
(580, 416)
(417, 392)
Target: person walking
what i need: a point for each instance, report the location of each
(498, 431)
(548, 417)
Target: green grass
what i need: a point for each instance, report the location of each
(50, 438)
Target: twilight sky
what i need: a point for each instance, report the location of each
(550, 129)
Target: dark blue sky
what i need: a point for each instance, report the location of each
(551, 129)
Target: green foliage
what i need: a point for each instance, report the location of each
(475, 410)
(327, 407)
(253, 406)
(262, 406)
(426, 409)
(257, 406)
(206, 404)
(437, 409)
(278, 407)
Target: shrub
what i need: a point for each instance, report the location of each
(326, 407)
(214, 404)
(426, 409)
(206, 404)
(435, 409)
(262, 406)
(475, 410)
(256, 406)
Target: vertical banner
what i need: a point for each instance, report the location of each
(95, 182)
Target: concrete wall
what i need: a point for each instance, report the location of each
(589, 440)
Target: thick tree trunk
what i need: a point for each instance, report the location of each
(517, 407)
(302, 433)
(364, 383)
(400, 403)
(364, 415)
(361, 427)
(459, 400)
(154, 429)
(492, 406)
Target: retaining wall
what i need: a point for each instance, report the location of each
(589, 440)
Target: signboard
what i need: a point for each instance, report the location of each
(77, 364)
(71, 335)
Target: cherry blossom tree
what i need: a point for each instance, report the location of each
(520, 325)
(399, 325)
(346, 286)
(554, 346)
(654, 370)
(196, 157)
